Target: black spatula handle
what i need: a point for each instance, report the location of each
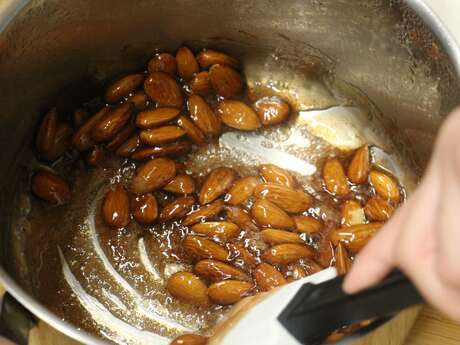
(317, 310)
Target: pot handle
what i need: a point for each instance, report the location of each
(15, 320)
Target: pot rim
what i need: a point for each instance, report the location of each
(10, 8)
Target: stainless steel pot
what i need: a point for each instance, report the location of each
(399, 54)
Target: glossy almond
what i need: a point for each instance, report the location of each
(352, 213)
(205, 212)
(290, 200)
(145, 208)
(214, 271)
(61, 143)
(50, 187)
(283, 254)
(155, 117)
(267, 277)
(335, 179)
(164, 90)
(266, 213)
(175, 149)
(161, 135)
(342, 259)
(242, 190)
(177, 208)
(378, 210)
(115, 207)
(295, 272)
(240, 217)
(201, 248)
(79, 117)
(123, 87)
(274, 174)
(228, 291)
(193, 132)
(208, 57)
(385, 186)
(225, 81)
(181, 184)
(129, 146)
(241, 256)
(358, 170)
(271, 110)
(152, 175)
(163, 62)
(140, 100)
(307, 224)
(356, 236)
(120, 138)
(187, 287)
(222, 231)
(189, 339)
(201, 84)
(82, 139)
(237, 114)
(46, 133)
(187, 66)
(203, 116)
(112, 122)
(216, 184)
(275, 236)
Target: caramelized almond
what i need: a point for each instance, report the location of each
(46, 133)
(352, 213)
(177, 208)
(237, 114)
(275, 236)
(189, 339)
(96, 156)
(193, 132)
(273, 174)
(208, 57)
(61, 143)
(241, 256)
(202, 248)
(225, 81)
(342, 259)
(241, 218)
(82, 139)
(164, 90)
(152, 175)
(295, 272)
(205, 212)
(385, 186)
(216, 183)
(214, 271)
(290, 200)
(139, 99)
(79, 117)
(379, 210)
(356, 236)
(203, 116)
(181, 184)
(223, 231)
(187, 66)
(123, 87)
(242, 190)
(163, 62)
(115, 207)
(228, 291)
(129, 146)
(121, 137)
(307, 224)
(266, 213)
(201, 84)
(50, 187)
(286, 253)
(145, 209)
(358, 170)
(155, 117)
(161, 135)
(112, 122)
(335, 179)
(187, 287)
(175, 149)
(271, 110)
(267, 277)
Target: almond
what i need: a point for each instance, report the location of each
(273, 174)
(190, 339)
(208, 57)
(46, 133)
(286, 253)
(203, 116)
(193, 132)
(124, 134)
(82, 139)
(50, 187)
(222, 231)
(271, 110)
(205, 212)
(181, 184)
(164, 90)
(152, 175)
(216, 183)
(267, 277)
(342, 259)
(139, 99)
(177, 208)
(356, 236)
(145, 208)
(334, 178)
(213, 270)
(61, 143)
(295, 272)
(358, 170)
(378, 210)
(266, 213)
(161, 135)
(352, 213)
(241, 256)
(187, 66)
(163, 62)
(201, 84)
(290, 200)
(225, 81)
(242, 190)
(176, 149)
(385, 186)
(237, 114)
(79, 117)
(96, 156)
(187, 287)
(115, 207)
(155, 117)
(307, 224)
(123, 87)
(228, 291)
(241, 218)
(112, 122)
(201, 248)
(275, 236)
(129, 146)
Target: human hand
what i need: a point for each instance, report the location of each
(423, 237)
